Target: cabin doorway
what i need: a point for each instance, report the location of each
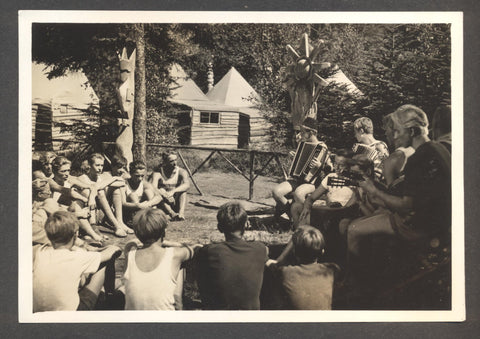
(243, 131)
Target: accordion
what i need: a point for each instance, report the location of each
(370, 151)
(302, 167)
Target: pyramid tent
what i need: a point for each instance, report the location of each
(184, 90)
(233, 90)
(339, 78)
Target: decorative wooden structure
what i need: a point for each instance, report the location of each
(303, 82)
(126, 99)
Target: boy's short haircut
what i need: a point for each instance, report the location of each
(59, 162)
(231, 218)
(95, 156)
(137, 165)
(61, 227)
(308, 244)
(119, 161)
(149, 225)
(363, 125)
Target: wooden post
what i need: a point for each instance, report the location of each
(140, 117)
(285, 176)
(189, 172)
(250, 188)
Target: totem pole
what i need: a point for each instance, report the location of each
(126, 99)
(303, 82)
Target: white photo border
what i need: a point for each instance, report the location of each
(26, 18)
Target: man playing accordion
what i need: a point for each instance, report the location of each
(308, 134)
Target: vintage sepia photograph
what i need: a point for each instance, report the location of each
(192, 162)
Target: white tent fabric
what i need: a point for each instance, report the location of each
(341, 79)
(233, 90)
(184, 88)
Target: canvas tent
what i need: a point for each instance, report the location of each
(340, 79)
(60, 100)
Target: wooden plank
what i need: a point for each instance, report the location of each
(218, 146)
(203, 162)
(252, 179)
(233, 165)
(197, 129)
(213, 126)
(218, 134)
(189, 172)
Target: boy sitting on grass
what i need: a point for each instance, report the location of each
(307, 284)
(153, 278)
(231, 272)
(60, 270)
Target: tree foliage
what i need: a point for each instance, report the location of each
(390, 64)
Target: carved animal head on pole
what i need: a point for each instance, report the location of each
(127, 65)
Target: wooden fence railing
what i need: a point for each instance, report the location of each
(250, 176)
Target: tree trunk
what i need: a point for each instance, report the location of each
(140, 117)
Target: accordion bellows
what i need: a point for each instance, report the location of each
(370, 151)
(302, 167)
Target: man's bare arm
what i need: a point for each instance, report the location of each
(155, 199)
(66, 191)
(402, 205)
(184, 182)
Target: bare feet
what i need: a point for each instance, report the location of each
(120, 232)
(127, 229)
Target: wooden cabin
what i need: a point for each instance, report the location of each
(65, 100)
(223, 118)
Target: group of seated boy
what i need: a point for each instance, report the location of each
(110, 198)
(230, 273)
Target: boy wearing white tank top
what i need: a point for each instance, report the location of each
(153, 277)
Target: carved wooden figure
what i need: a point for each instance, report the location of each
(303, 82)
(126, 99)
